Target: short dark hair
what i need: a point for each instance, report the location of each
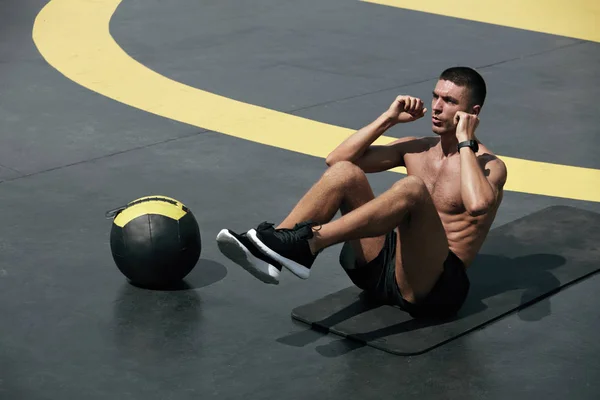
(465, 76)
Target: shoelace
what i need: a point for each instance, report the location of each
(263, 226)
(286, 235)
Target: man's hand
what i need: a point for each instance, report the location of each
(406, 109)
(465, 125)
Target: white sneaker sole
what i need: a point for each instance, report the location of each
(239, 254)
(297, 269)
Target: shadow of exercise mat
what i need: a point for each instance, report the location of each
(520, 263)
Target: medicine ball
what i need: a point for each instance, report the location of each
(155, 241)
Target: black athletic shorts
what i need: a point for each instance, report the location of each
(378, 280)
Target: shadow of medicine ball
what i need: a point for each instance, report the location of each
(155, 241)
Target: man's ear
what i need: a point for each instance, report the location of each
(476, 109)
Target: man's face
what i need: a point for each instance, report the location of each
(448, 98)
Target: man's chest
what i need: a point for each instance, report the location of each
(442, 179)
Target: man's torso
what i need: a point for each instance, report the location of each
(441, 175)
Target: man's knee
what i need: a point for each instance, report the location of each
(412, 188)
(345, 172)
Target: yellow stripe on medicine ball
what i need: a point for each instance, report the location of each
(158, 205)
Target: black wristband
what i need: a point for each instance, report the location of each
(472, 144)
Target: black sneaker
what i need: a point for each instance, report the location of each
(288, 247)
(239, 249)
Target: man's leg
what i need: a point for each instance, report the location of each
(421, 249)
(422, 245)
(407, 205)
(344, 186)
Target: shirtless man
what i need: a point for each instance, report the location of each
(410, 246)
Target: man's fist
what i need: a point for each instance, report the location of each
(406, 109)
(465, 125)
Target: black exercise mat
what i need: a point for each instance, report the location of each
(521, 263)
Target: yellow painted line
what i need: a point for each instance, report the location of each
(574, 18)
(73, 36)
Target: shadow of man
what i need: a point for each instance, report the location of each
(499, 285)
(495, 277)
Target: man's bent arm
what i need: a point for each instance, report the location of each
(355, 146)
(358, 150)
(479, 193)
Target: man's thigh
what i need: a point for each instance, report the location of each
(422, 248)
(364, 250)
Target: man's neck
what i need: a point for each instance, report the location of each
(448, 143)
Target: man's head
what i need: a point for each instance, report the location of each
(457, 89)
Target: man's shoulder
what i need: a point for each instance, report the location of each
(418, 149)
(412, 144)
(486, 155)
(424, 144)
(421, 142)
(430, 140)
(494, 165)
